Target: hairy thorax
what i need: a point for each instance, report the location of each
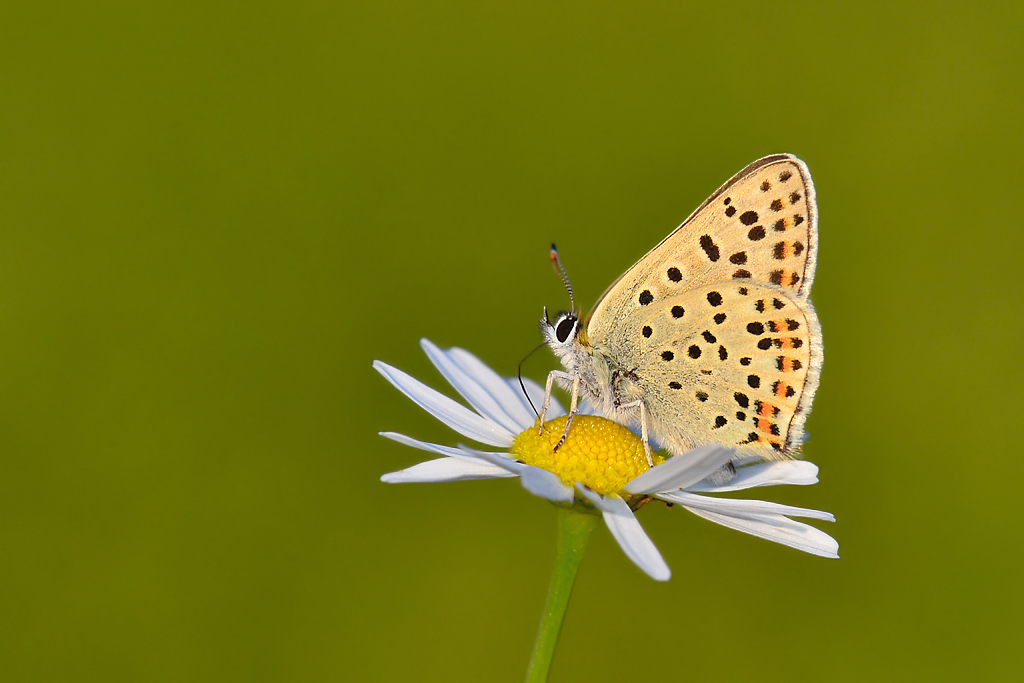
(604, 382)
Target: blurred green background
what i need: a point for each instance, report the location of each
(215, 216)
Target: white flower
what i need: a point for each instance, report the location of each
(503, 414)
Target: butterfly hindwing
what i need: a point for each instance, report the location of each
(761, 226)
(732, 363)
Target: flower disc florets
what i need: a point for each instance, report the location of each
(599, 453)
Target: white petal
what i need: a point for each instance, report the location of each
(682, 470)
(797, 472)
(484, 389)
(778, 529)
(500, 459)
(456, 416)
(445, 469)
(536, 393)
(631, 536)
(734, 506)
(546, 485)
(599, 501)
(506, 390)
(461, 453)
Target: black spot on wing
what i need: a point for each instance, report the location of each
(709, 247)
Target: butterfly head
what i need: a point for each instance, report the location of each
(562, 333)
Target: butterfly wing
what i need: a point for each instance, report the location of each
(732, 363)
(760, 226)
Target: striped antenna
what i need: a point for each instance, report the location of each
(556, 263)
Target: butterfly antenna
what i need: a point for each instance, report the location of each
(556, 263)
(520, 373)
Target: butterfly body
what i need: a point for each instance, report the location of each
(710, 337)
(604, 380)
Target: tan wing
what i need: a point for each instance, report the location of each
(761, 226)
(733, 362)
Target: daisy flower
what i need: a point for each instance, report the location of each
(601, 464)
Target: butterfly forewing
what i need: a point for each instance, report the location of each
(761, 226)
(732, 363)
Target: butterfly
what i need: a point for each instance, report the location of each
(710, 337)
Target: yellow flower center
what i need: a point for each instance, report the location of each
(599, 453)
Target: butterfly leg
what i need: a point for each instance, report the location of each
(552, 376)
(643, 427)
(573, 406)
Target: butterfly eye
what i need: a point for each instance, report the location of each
(565, 328)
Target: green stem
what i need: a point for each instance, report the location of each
(574, 529)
